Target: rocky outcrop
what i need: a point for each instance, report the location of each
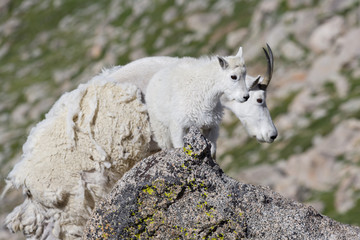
(313, 99)
(313, 95)
(183, 193)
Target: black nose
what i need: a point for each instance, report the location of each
(273, 137)
(246, 97)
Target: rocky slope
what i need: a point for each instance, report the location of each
(183, 194)
(49, 47)
(314, 101)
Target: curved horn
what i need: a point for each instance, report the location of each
(240, 52)
(270, 67)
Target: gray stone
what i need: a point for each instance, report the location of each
(195, 6)
(138, 53)
(341, 83)
(352, 18)
(356, 73)
(299, 3)
(268, 6)
(10, 26)
(277, 35)
(4, 49)
(304, 23)
(137, 39)
(314, 169)
(349, 46)
(324, 36)
(4, 5)
(346, 196)
(320, 168)
(333, 6)
(234, 38)
(322, 70)
(139, 7)
(183, 193)
(38, 91)
(59, 76)
(19, 115)
(307, 102)
(170, 14)
(6, 136)
(226, 7)
(292, 51)
(40, 108)
(202, 23)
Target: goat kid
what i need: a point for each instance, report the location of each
(253, 113)
(188, 94)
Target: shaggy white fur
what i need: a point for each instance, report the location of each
(88, 140)
(253, 113)
(71, 159)
(139, 72)
(188, 94)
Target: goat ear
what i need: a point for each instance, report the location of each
(223, 63)
(240, 52)
(256, 82)
(252, 82)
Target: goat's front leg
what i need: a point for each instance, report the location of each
(177, 133)
(212, 135)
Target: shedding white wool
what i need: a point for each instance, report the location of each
(71, 159)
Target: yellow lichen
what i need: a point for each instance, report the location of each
(188, 151)
(148, 190)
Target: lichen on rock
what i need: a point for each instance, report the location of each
(162, 190)
(183, 194)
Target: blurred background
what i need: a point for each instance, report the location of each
(48, 47)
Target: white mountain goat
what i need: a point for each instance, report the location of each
(253, 113)
(89, 138)
(188, 93)
(139, 72)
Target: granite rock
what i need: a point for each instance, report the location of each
(183, 193)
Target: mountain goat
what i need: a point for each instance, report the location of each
(88, 140)
(90, 137)
(253, 113)
(188, 93)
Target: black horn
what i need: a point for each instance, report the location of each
(270, 67)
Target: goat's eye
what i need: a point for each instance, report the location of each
(259, 100)
(234, 77)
